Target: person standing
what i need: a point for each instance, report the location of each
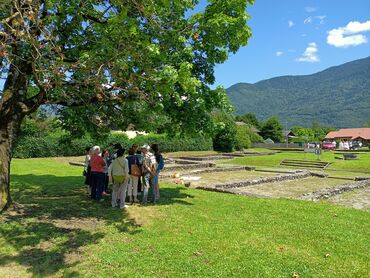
(148, 171)
(97, 165)
(135, 174)
(87, 170)
(139, 156)
(160, 164)
(118, 175)
(107, 159)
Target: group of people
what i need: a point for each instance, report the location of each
(348, 145)
(130, 176)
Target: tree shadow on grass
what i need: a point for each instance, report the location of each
(54, 219)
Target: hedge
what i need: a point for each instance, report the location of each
(49, 146)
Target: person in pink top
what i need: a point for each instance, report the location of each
(97, 165)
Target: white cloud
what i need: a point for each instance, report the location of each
(313, 19)
(310, 9)
(310, 54)
(308, 20)
(279, 53)
(321, 18)
(349, 35)
(290, 23)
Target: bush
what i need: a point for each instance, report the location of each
(224, 135)
(31, 146)
(176, 143)
(64, 145)
(243, 140)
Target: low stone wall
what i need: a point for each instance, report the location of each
(188, 166)
(329, 192)
(209, 170)
(278, 178)
(77, 163)
(231, 187)
(185, 162)
(206, 158)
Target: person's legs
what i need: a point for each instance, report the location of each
(100, 186)
(123, 190)
(145, 187)
(155, 183)
(94, 182)
(106, 182)
(115, 190)
(129, 188)
(135, 181)
(153, 186)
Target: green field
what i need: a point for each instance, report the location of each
(360, 165)
(57, 231)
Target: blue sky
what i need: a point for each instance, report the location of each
(290, 37)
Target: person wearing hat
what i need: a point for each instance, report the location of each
(148, 171)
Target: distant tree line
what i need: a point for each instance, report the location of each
(272, 128)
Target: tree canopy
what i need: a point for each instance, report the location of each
(121, 62)
(107, 63)
(248, 118)
(273, 129)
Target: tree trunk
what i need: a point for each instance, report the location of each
(12, 112)
(5, 158)
(8, 133)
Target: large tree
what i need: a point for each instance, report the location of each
(248, 118)
(273, 129)
(113, 62)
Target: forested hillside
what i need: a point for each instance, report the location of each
(338, 97)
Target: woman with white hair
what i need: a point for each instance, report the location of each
(97, 165)
(118, 174)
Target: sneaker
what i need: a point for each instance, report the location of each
(101, 200)
(125, 206)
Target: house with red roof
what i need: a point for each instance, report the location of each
(351, 134)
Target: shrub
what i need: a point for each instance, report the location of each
(243, 140)
(176, 143)
(224, 137)
(31, 146)
(65, 145)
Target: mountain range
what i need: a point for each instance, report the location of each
(337, 97)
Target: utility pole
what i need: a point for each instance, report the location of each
(287, 133)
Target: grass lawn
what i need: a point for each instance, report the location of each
(362, 164)
(57, 231)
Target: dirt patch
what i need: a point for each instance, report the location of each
(14, 270)
(326, 193)
(210, 179)
(288, 188)
(359, 199)
(143, 215)
(87, 224)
